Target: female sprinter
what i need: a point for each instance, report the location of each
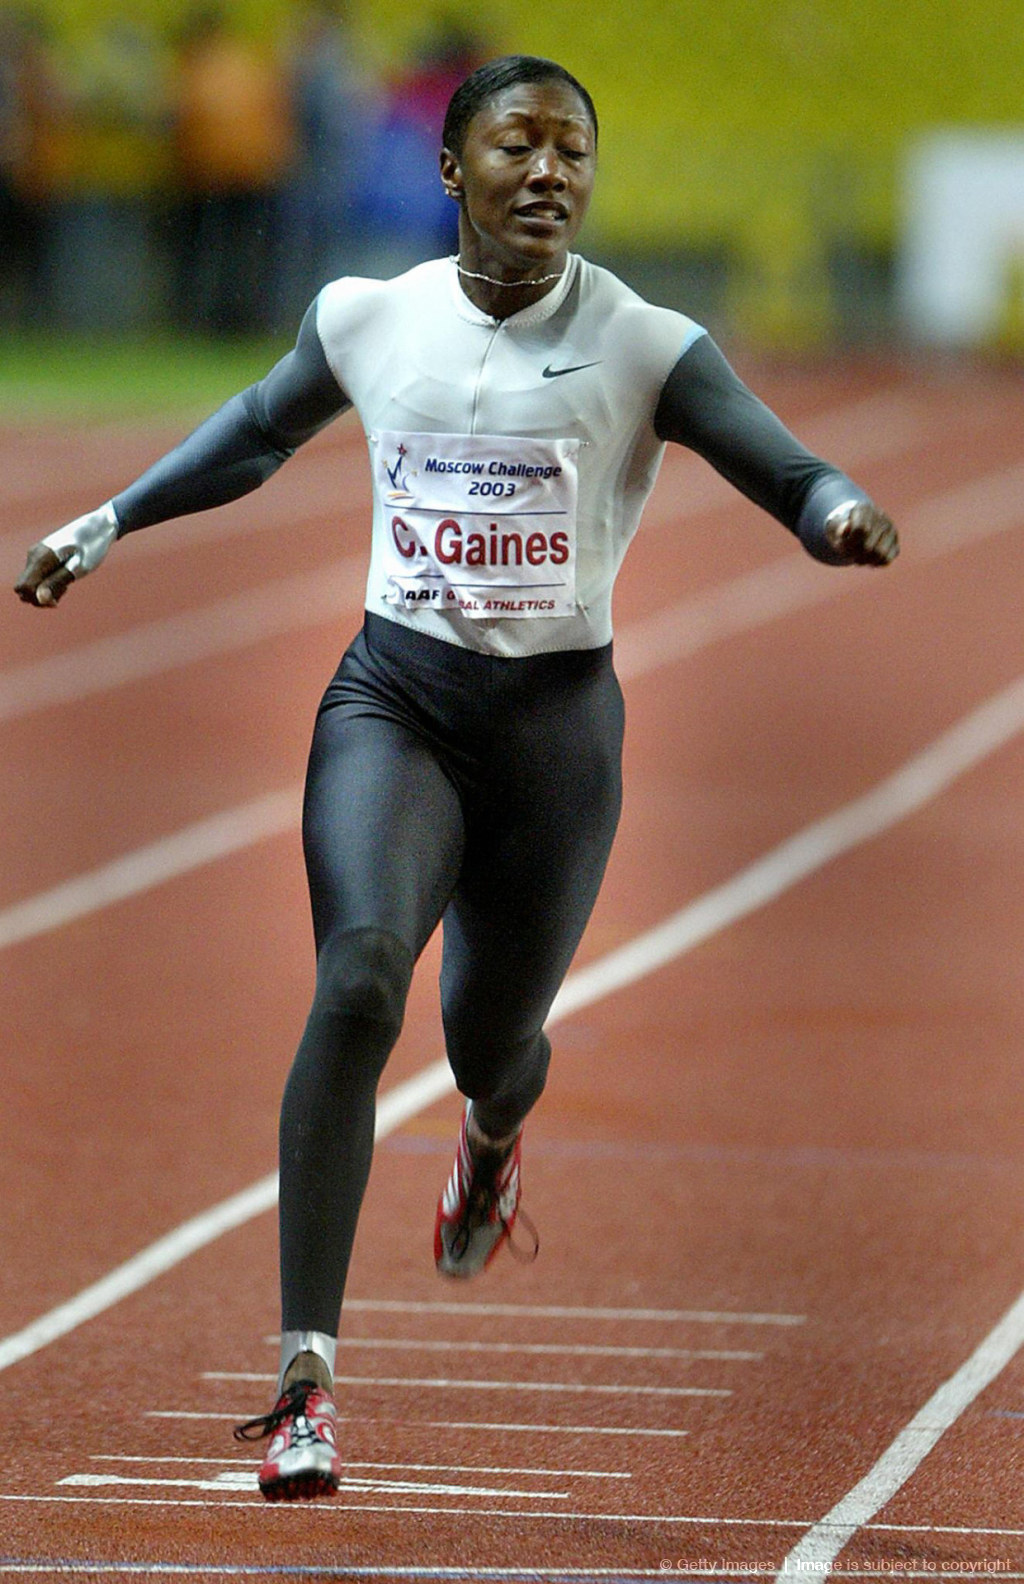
(465, 763)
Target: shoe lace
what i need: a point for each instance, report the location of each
(483, 1193)
(291, 1404)
(482, 1197)
(519, 1251)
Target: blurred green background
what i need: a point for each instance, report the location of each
(751, 168)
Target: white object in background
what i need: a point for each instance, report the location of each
(963, 234)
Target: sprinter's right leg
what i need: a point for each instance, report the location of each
(383, 835)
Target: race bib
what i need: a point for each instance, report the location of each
(482, 524)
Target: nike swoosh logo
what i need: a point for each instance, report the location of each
(553, 373)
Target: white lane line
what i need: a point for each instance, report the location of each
(869, 429)
(246, 1480)
(326, 1509)
(440, 1424)
(153, 648)
(205, 841)
(195, 845)
(933, 1528)
(556, 1349)
(460, 1468)
(352, 1463)
(813, 1556)
(916, 783)
(949, 521)
(340, 469)
(405, 1100)
(565, 1312)
(462, 1384)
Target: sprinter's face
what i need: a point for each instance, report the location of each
(524, 178)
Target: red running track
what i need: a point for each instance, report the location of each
(777, 1171)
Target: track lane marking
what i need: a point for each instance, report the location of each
(964, 515)
(154, 648)
(918, 782)
(346, 462)
(459, 1468)
(393, 1108)
(246, 1480)
(868, 429)
(462, 1383)
(921, 779)
(194, 846)
(438, 1424)
(512, 1575)
(317, 1571)
(326, 1509)
(353, 1463)
(812, 1558)
(565, 1312)
(549, 1349)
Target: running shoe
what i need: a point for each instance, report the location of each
(302, 1459)
(478, 1209)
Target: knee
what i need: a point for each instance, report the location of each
(502, 1073)
(362, 976)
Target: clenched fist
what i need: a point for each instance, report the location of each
(46, 576)
(66, 554)
(862, 535)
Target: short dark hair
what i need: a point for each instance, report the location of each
(492, 78)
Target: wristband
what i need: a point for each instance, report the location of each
(82, 544)
(827, 500)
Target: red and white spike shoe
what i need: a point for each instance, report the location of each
(302, 1459)
(479, 1207)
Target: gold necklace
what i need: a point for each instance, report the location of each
(541, 280)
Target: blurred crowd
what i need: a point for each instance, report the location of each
(202, 180)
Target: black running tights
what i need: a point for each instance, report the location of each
(442, 784)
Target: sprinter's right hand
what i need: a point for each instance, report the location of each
(46, 576)
(67, 553)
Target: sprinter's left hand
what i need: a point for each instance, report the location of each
(862, 535)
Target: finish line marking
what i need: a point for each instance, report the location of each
(918, 782)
